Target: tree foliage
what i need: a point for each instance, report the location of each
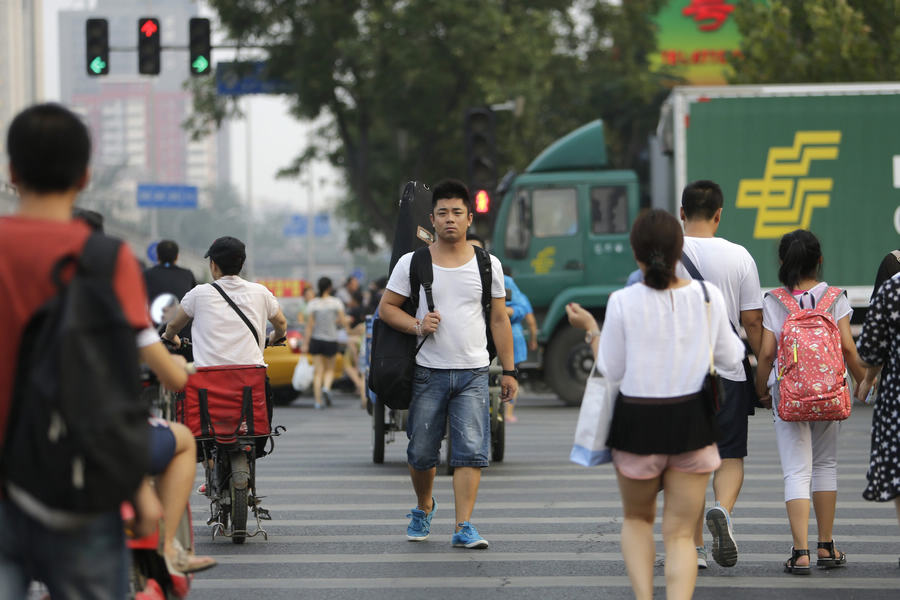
(394, 78)
(805, 41)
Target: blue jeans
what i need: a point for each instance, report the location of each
(457, 396)
(90, 561)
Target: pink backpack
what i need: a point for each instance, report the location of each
(811, 371)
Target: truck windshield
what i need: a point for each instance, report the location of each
(609, 209)
(554, 212)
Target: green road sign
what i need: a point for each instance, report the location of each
(97, 65)
(200, 65)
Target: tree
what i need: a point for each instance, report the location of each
(804, 41)
(395, 78)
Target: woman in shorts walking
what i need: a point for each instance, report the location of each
(325, 314)
(658, 339)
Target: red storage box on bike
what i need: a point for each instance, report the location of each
(225, 402)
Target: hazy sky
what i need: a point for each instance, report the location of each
(276, 138)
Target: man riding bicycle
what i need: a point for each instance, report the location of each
(220, 335)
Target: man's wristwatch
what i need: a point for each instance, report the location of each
(514, 374)
(590, 335)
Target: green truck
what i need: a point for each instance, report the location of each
(822, 157)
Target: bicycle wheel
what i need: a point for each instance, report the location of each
(238, 514)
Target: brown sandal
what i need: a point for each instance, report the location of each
(791, 566)
(837, 559)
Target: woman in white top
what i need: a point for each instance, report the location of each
(325, 314)
(657, 340)
(808, 449)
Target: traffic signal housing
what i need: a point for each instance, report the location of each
(200, 47)
(481, 149)
(96, 33)
(148, 46)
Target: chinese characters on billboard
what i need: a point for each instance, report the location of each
(697, 37)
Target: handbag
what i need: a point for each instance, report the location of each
(594, 420)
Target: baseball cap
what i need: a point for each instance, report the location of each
(227, 251)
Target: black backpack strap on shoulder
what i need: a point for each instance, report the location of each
(421, 274)
(237, 310)
(689, 265)
(99, 255)
(485, 270)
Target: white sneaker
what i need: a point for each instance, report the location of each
(701, 557)
(724, 548)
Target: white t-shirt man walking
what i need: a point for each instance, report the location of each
(730, 268)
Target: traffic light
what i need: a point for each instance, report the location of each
(481, 162)
(96, 33)
(482, 201)
(148, 46)
(200, 47)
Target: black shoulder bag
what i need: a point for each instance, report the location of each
(393, 354)
(238, 311)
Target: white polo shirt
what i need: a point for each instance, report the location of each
(220, 337)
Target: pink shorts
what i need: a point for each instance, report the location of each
(648, 466)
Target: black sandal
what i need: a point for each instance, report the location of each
(791, 566)
(837, 559)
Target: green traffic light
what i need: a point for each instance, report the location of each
(200, 64)
(97, 65)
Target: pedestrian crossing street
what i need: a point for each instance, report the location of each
(338, 528)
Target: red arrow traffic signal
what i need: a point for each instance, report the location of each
(149, 27)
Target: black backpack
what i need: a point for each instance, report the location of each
(78, 438)
(393, 353)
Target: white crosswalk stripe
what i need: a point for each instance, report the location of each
(338, 527)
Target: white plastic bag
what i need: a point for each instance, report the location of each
(303, 374)
(594, 420)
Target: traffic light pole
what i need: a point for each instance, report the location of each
(249, 270)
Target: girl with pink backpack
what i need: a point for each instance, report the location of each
(801, 372)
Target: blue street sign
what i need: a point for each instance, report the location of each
(240, 78)
(151, 252)
(150, 195)
(321, 225)
(296, 227)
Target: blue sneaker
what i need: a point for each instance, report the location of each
(468, 537)
(420, 523)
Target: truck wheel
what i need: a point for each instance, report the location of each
(567, 364)
(378, 432)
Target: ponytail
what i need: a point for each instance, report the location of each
(656, 240)
(800, 253)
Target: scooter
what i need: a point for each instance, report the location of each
(148, 577)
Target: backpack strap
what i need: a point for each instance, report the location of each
(785, 299)
(99, 255)
(486, 271)
(829, 297)
(239, 312)
(421, 274)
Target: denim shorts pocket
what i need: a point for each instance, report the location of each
(421, 374)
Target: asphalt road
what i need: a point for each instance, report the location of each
(338, 528)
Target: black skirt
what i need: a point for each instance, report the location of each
(663, 425)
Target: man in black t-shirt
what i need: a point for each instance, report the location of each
(165, 277)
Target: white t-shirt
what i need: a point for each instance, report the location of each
(775, 314)
(656, 342)
(460, 341)
(220, 337)
(730, 268)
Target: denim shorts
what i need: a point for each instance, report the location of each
(457, 396)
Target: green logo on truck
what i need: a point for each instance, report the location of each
(785, 197)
